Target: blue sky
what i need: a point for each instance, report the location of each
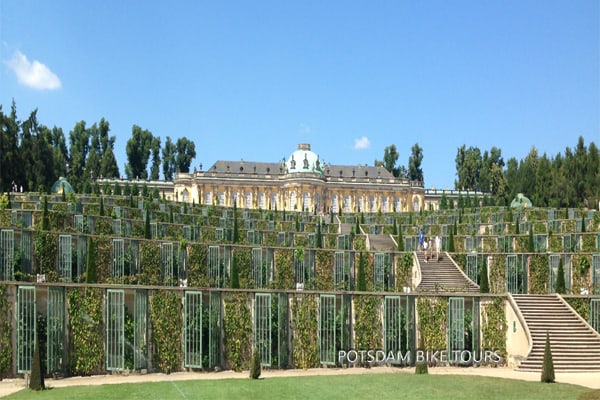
(251, 79)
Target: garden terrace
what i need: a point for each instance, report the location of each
(226, 272)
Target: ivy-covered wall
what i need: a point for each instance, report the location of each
(305, 327)
(493, 325)
(86, 331)
(238, 331)
(6, 316)
(432, 323)
(167, 324)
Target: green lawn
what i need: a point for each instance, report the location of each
(372, 386)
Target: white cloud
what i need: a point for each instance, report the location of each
(33, 74)
(362, 143)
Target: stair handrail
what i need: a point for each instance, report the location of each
(585, 323)
(416, 271)
(460, 269)
(521, 318)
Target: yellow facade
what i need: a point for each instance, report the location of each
(300, 183)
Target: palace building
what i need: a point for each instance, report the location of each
(303, 182)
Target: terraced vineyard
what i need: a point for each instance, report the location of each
(114, 283)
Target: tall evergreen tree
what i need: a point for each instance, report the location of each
(548, 363)
(560, 286)
(361, 282)
(90, 264)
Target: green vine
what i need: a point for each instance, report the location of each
(538, 274)
(367, 330)
(151, 263)
(5, 333)
(581, 305)
(238, 331)
(493, 326)
(305, 327)
(432, 322)
(87, 335)
(167, 323)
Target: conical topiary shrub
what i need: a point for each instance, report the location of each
(560, 279)
(484, 284)
(255, 367)
(548, 366)
(36, 381)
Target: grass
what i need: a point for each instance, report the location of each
(380, 386)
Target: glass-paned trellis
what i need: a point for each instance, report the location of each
(168, 263)
(411, 243)
(383, 271)
(215, 318)
(327, 343)
(118, 258)
(116, 227)
(515, 274)
(262, 327)
(260, 268)
(540, 243)
(26, 327)
(7, 250)
(65, 259)
(596, 273)
(504, 244)
(344, 322)
(115, 330)
(342, 270)
(456, 327)
(343, 242)
(214, 266)
(553, 263)
(475, 336)
(55, 330)
(304, 266)
(140, 333)
(395, 328)
(27, 251)
(78, 223)
(192, 330)
(595, 314)
(472, 268)
(283, 330)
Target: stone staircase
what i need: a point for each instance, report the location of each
(575, 345)
(381, 243)
(442, 276)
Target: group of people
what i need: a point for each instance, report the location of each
(427, 246)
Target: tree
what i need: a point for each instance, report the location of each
(36, 381)
(415, 172)
(235, 275)
(548, 365)
(484, 285)
(79, 146)
(155, 167)
(236, 235)
(90, 264)
(10, 155)
(319, 244)
(468, 168)
(147, 233)
(361, 282)
(560, 278)
(138, 152)
(255, 367)
(390, 157)
(400, 240)
(169, 152)
(186, 152)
